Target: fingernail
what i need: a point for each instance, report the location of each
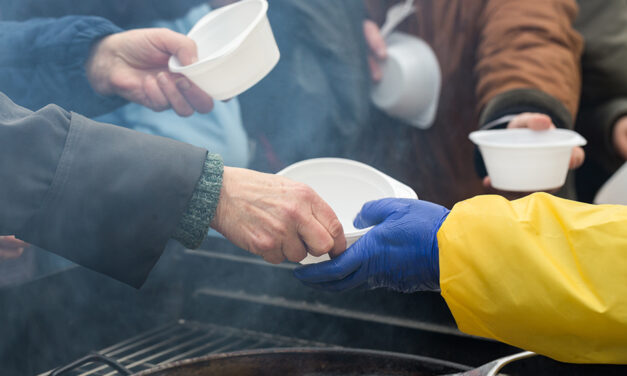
(183, 84)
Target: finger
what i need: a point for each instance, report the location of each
(156, 98)
(576, 158)
(195, 96)
(374, 212)
(293, 249)
(374, 39)
(620, 137)
(376, 73)
(534, 121)
(179, 45)
(11, 254)
(327, 218)
(487, 182)
(175, 98)
(333, 270)
(621, 145)
(316, 237)
(11, 241)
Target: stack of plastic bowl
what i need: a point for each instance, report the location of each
(345, 185)
(524, 160)
(236, 49)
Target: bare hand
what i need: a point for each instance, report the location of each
(378, 49)
(537, 122)
(11, 247)
(620, 137)
(275, 217)
(134, 65)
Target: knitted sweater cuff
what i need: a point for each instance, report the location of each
(193, 226)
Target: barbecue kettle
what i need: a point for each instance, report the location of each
(305, 361)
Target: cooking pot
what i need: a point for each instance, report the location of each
(306, 362)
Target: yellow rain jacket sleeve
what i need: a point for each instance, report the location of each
(541, 273)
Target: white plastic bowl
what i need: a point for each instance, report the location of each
(410, 86)
(345, 185)
(614, 191)
(524, 160)
(236, 49)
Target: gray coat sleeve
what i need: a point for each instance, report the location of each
(102, 196)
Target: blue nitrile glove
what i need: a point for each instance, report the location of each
(400, 252)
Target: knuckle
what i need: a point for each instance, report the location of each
(335, 228)
(304, 191)
(266, 244)
(291, 211)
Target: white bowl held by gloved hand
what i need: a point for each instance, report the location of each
(345, 185)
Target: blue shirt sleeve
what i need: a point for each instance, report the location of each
(43, 62)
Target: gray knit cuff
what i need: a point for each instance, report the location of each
(193, 226)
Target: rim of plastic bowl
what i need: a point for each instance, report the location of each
(575, 139)
(175, 65)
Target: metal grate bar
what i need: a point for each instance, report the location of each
(138, 338)
(139, 344)
(140, 352)
(190, 353)
(183, 340)
(166, 351)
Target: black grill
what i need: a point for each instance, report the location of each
(183, 340)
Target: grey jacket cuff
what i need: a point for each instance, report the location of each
(87, 35)
(194, 224)
(526, 100)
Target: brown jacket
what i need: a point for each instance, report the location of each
(510, 44)
(498, 57)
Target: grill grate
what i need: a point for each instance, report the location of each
(182, 340)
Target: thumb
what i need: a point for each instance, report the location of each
(177, 44)
(374, 39)
(375, 212)
(534, 121)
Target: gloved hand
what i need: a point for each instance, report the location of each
(400, 252)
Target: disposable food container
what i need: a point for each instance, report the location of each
(236, 49)
(346, 185)
(525, 160)
(410, 85)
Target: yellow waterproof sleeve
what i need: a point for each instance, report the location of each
(541, 273)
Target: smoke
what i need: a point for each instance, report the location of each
(315, 103)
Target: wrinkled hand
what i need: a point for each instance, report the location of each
(11, 247)
(537, 122)
(378, 49)
(400, 252)
(619, 137)
(275, 217)
(134, 65)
